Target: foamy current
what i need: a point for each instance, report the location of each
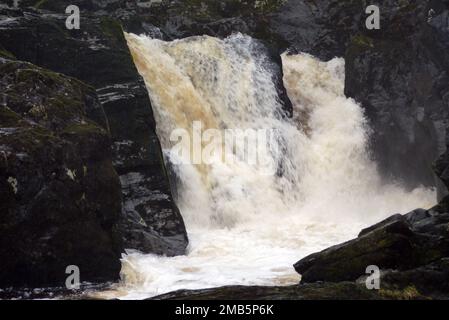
(247, 227)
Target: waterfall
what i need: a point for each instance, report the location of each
(247, 225)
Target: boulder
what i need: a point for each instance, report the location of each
(430, 281)
(61, 196)
(401, 242)
(315, 291)
(387, 246)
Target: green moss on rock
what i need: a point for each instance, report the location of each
(80, 129)
(408, 293)
(113, 29)
(9, 118)
(6, 54)
(40, 3)
(363, 41)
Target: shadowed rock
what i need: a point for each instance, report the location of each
(60, 195)
(322, 291)
(98, 55)
(398, 243)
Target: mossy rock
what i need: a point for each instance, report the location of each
(6, 54)
(61, 197)
(408, 293)
(319, 291)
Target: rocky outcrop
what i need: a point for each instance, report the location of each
(98, 55)
(399, 243)
(441, 167)
(419, 284)
(398, 73)
(60, 194)
(401, 78)
(169, 20)
(175, 19)
(322, 291)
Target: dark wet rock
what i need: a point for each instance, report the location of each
(398, 243)
(98, 55)
(171, 20)
(402, 86)
(390, 246)
(441, 167)
(398, 73)
(56, 293)
(319, 291)
(60, 195)
(179, 18)
(430, 281)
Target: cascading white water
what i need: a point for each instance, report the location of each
(246, 226)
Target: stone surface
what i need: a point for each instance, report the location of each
(322, 291)
(395, 286)
(60, 195)
(399, 243)
(430, 281)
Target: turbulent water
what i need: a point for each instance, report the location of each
(246, 226)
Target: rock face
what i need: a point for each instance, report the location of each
(398, 73)
(442, 167)
(322, 291)
(401, 78)
(400, 243)
(60, 195)
(169, 20)
(98, 55)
